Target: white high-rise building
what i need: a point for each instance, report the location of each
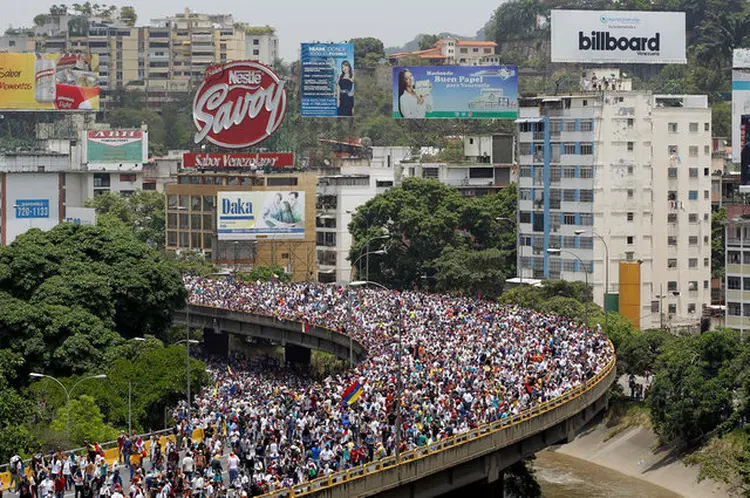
(625, 173)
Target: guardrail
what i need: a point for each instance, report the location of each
(486, 430)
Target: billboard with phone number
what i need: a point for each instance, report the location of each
(328, 80)
(474, 92)
(256, 215)
(44, 82)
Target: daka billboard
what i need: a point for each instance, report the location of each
(48, 82)
(606, 36)
(257, 215)
(475, 92)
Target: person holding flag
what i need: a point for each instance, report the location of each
(352, 394)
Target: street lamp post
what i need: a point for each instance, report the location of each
(399, 384)
(585, 272)
(67, 394)
(366, 247)
(519, 270)
(606, 277)
(379, 251)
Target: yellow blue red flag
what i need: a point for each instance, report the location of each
(353, 393)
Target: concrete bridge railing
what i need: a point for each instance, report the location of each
(268, 327)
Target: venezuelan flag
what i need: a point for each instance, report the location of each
(353, 393)
(230, 371)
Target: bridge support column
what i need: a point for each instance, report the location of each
(496, 488)
(297, 355)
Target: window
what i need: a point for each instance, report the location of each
(734, 283)
(554, 173)
(693, 217)
(693, 285)
(631, 122)
(172, 220)
(671, 240)
(705, 172)
(256, 41)
(631, 146)
(587, 149)
(672, 150)
(672, 309)
(586, 195)
(630, 240)
(101, 180)
(672, 172)
(693, 127)
(128, 177)
(734, 309)
(706, 127)
(733, 258)
(208, 203)
(195, 203)
(693, 151)
(587, 124)
(569, 195)
(569, 219)
(569, 172)
(706, 150)
(693, 263)
(586, 242)
(524, 217)
(587, 219)
(569, 148)
(654, 306)
(630, 216)
(630, 170)
(693, 195)
(256, 52)
(629, 256)
(672, 286)
(706, 262)
(691, 307)
(569, 125)
(706, 195)
(587, 172)
(693, 172)
(693, 240)
(172, 239)
(672, 127)
(281, 181)
(672, 263)
(672, 218)
(705, 240)
(184, 220)
(630, 193)
(569, 242)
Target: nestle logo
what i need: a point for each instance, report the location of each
(245, 77)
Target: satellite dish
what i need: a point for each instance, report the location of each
(326, 162)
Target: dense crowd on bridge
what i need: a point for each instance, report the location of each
(463, 362)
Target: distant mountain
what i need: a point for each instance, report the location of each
(414, 44)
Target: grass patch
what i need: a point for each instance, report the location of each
(627, 414)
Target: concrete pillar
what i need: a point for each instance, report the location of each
(297, 355)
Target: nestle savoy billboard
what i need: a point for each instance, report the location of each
(604, 36)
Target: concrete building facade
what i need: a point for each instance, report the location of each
(621, 173)
(737, 274)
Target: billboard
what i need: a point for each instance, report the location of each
(44, 82)
(740, 107)
(251, 162)
(327, 80)
(455, 92)
(116, 147)
(745, 150)
(741, 58)
(31, 208)
(80, 215)
(259, 215)
(239, 104)
(604, 36)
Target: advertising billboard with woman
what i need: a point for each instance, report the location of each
(328, 83)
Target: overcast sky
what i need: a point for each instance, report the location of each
(393, 21)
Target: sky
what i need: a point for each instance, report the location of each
(395, 22)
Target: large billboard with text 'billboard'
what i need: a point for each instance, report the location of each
(48, 82)
(259, 215)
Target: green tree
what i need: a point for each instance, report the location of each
(266, 273)
(426, 42)
(142, 212)
(86, 422)
(724, 460)
(476, 273)
(128, 15)
(191, 263)
(721, 119)
(367, 51)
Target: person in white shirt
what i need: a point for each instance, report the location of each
(234, 467)
(187, 466)
(410, 105)
(46, 488)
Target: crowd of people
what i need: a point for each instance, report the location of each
(460, 363)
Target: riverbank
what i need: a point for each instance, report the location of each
(634, 452)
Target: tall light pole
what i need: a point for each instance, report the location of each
(379, 251)
(586, 274)
(399, 384)
(519, 270)
(606, 277)
(67, 394)
(366, 247)
(130, 390)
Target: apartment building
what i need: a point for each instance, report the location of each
(171, 55)
(737, 274)
(453, 51)
(612, 176)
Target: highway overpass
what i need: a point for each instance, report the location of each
(475, 457)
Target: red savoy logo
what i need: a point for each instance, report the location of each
(238, 105)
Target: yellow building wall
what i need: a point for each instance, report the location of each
(630, 292)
